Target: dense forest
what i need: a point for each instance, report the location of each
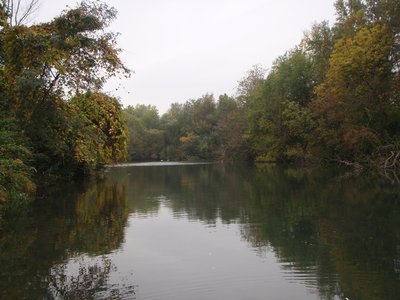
(335, 97)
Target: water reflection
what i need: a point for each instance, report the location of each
(36, 251)
(84, 278)
(334, 232)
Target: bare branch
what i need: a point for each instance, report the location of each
(17, 12)
(31, 9)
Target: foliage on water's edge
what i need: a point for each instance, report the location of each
(335, 97)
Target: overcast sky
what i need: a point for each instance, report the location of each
(183, 49)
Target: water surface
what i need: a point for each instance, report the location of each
(208, 231)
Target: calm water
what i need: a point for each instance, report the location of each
(209, 231)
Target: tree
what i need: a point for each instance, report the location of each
(353, 103)
(71, 53)
(384, 11)
(102, 138)
(350, 17)
(190, 130)
(174, 123)
(145, 138)
(249, 85)
(15, 171)
(146, 114)
(43, 65)
(318, 44)
(290, 80)
(387, 12)
(199, 139)
(232, 128)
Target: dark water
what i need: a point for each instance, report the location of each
(209, 232)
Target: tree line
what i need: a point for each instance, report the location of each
(201, 129)
(335, 97)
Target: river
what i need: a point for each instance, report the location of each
(208, 231)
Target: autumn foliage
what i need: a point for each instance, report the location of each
(335, 97)
(57, 122)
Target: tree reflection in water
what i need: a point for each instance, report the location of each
(332, 229)
(75, 228)
(337, 232)
(85, 278)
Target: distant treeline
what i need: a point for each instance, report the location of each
(335, 97)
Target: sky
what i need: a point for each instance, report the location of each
(183, 49)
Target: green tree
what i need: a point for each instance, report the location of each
(232, 130)
(350, 17)
(290, 80)
(249, 85)
(15, 171)
(174, 123)
(200, 139)
(145, 138)
(318, 44)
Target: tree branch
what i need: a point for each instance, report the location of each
(15, 7)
